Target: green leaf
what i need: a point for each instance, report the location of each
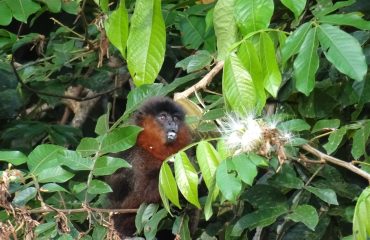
(296, 125)
(14, 157)
(249, 58)
(343, 51)
(116, 28)
(212, 194)
(193, 30)
(287, 178)
(353, 19)
(361, 217)
(253, 15)
(208, 160)
(264, 196)
(120, 139)
(74, 160)
(360, 139)
(22, 197)
(146, 43)
(335, 138)
(325, 194)
(52, 187)
(186, 178)
(102, 125)
(195, 62)
(139, 216)
(238, 88)
(325, 124)
(181, 227)
(151, 227)
(296, 6)
(107, 165)
(294, 42)
(226, 180)
(167, 183)
(88, 146)
(259, 218)
(54, 174)
(98, 187)
(270, 68)
(225, 27)
(5, 14)
(305, 214)
(246, 169)
(53, 5)
(324, 9)
(41, 228)
(71, 7)
(307, 63)
(43, 157)
(22, 9)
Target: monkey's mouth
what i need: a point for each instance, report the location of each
(171, 136)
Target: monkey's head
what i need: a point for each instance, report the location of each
(166, 113)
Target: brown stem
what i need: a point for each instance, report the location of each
(202, 84)
(336, 161)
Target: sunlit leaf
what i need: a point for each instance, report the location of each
(305, 214)
(167, 183)
(146, 42)
(327, 195)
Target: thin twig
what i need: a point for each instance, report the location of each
(47, 209)
(202, 84)
(336, 161)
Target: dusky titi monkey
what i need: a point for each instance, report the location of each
(164, 133)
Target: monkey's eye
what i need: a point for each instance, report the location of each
(175, 118)
(162, 117)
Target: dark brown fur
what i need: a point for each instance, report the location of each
(132, 187)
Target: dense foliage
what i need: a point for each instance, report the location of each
(277, 94)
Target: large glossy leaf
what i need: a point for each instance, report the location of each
(225, 27)
(88, 146)
(246, 169)
(325, 194)
(253, 15)
(343, 51)
(238, 88)
(260, 218)
(116, 28)
(13, 157)
(350, 19)
(102, 125)
(43, 157)
(296, 6)
(167, 183)
(325, 124)
(186, 178)
(208, 160)
(294, 42)
(5, 14)
(22, 9)
(361, 217)
(195, 62)
(146, 43)
(335, 138)
(228, 183)
(270, 68)
(305, 214)
(249, 57)
(181, 227)
(296, 125)
(98, 187)
(360, 139)
(193, 29)
(107, 165)
(307, 63)
(54, 174)
(120, 139)
(74, 160)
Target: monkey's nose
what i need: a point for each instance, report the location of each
(171, 136)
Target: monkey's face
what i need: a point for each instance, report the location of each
(170, 125)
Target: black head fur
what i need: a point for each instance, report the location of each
(156, 105)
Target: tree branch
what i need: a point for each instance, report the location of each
(202, 84)
(336, 161)
(47, 209)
